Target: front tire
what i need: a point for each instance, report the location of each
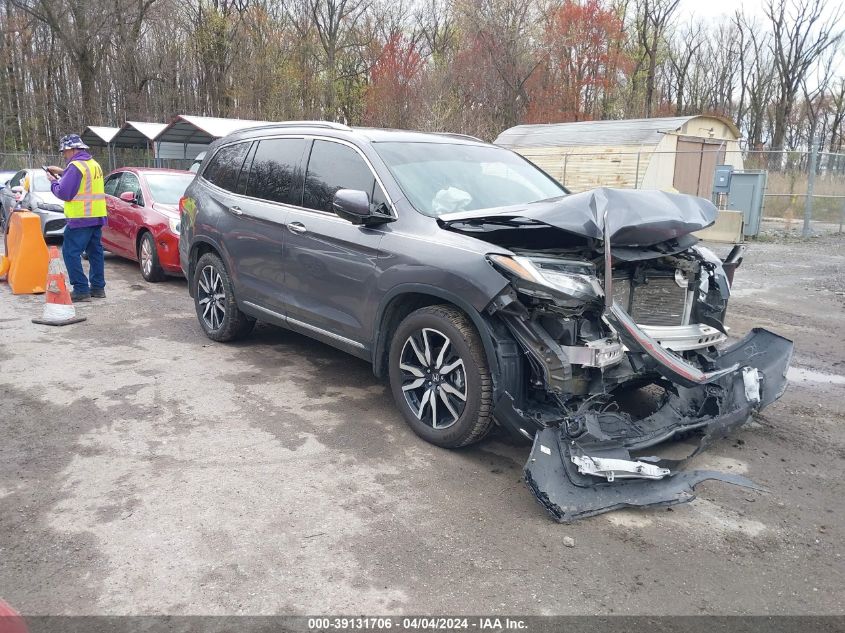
(151, 269)
(440, 378)
(214, 300)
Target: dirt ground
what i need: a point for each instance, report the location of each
(146, 470)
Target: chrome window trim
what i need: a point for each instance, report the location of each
(317, 137)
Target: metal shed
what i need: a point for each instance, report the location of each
(188, 135)
(98, 135)
(670, 153)
(138, 134)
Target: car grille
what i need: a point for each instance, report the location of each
(660, 301)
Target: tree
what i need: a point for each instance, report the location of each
(499, 51)
(85, 27)
(800, 36)
(580, 65)
(393, 88)
(681, 56)
(650, 23)
(335, 23)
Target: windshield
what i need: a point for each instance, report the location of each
(168, 188)
(38, 181)
(441, 178)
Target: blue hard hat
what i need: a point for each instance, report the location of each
(71, 141)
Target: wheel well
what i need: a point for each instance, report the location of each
(138, 239)
(398, 308)
(401, 306)
(198, 250)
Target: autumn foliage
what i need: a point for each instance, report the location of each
(471, 66)
(584, 60)
(394, 86)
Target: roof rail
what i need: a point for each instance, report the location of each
(456, 135)
(329, 124)
(270, 125)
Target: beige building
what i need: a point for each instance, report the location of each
(672, 153)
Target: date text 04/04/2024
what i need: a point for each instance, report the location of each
(417, 623)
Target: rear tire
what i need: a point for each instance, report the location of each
(440, 377)
(151, 269)
(214, 300)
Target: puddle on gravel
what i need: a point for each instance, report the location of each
(797, 374)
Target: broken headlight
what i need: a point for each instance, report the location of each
(573, 278)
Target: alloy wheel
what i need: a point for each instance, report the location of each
(433, 378)
(146, 257)
(212, 297)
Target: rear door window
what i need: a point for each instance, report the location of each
(225, 167)
(333, 166)
(275, 173)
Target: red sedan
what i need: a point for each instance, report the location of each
(144, 218)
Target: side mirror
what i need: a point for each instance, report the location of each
(354, 205)
(128, 196)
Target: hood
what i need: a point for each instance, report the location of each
(167, 209)
(634, 217)
(46, 197)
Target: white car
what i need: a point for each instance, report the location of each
(32, 188)
(195, 166)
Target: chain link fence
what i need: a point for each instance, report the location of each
(15, 161)
(109, 158)
(799, 185)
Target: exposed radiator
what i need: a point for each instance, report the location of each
(660, 301)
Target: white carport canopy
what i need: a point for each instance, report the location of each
(202, 130)
(137, 134)
(98, 135)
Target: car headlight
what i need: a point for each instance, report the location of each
(575, 279)
(174, 224)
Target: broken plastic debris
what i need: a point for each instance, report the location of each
(613, 468)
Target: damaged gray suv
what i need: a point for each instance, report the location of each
(591, 324)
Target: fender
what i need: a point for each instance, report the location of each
(380, 341)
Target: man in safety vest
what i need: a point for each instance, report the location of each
(81, 187)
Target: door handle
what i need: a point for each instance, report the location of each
(296, 227)
(236, 210)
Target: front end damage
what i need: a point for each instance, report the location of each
(619, 316)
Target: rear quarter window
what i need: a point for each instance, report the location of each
(224, 168)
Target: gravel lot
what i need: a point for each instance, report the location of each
(145, 469)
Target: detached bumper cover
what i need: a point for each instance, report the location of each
(584, 466)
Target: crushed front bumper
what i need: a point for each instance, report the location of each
(585, 464)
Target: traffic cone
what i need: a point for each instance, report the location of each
(58, 310)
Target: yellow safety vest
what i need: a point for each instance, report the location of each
(90, 200)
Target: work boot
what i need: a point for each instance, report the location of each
(98, 293)
(80, 297)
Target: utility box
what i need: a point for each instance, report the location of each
(747, 193)
(722, 179)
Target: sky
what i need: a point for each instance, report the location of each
(715, 9)
(708, 11)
